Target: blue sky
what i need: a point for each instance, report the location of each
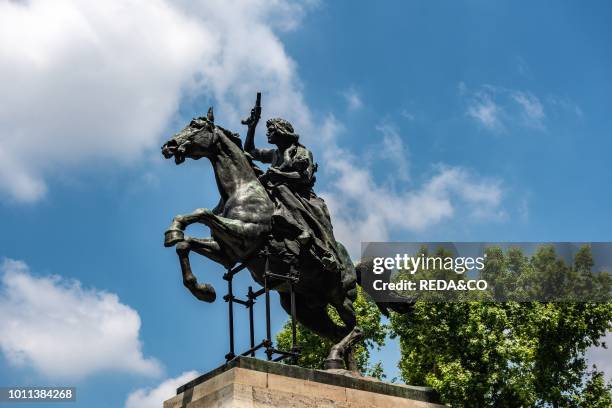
(463, 121)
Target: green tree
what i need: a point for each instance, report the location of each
(315, 348)
(596, 392)
(512, 353)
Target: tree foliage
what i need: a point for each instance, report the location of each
(315, 348)
(512, 353)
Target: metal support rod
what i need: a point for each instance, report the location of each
(251, 322)
(293, 322)
(258, 293)
(253, 349)
(283, 277)
(230, 301)
(272, 353)
(268, 330)
(283, 354)
(231, 272)
(244, 303)
(279, 358)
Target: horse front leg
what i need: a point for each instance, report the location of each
(175, 233)
(211, 249)
(243, 237)
(207, 247)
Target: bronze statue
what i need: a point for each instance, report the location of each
(269, 220)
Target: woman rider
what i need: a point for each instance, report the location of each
(301, 226)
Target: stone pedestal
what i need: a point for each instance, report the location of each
(248, 382)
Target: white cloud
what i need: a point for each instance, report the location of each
(393, 151)
(566, 104)
(83, 80)
(485, 111)
(532, 109)
(353, 99)
(363, 209)
(64, 331)
(103, 80)
(523, 67)
(16, 179)
(497, 108)
(88, 79)
(407, 115)
(251, 57)
(154, 397)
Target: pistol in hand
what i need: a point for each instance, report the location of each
(255, 113)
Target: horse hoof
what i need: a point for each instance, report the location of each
(333, 364)
(173, 237)
(205, 293)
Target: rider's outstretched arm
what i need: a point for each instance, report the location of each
(262, 155)
(249, 142)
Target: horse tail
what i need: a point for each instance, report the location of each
(348, 278)
(396, 302)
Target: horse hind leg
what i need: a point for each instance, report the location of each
(316, 318)
(343, 352)
(313, 317)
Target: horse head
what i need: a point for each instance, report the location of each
(194, 141)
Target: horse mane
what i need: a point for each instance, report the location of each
(234, 137)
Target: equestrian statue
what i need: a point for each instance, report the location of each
(269, 221)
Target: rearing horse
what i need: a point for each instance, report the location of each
(240, 226)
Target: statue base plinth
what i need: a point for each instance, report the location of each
(249, 382)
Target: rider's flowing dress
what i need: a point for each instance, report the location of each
(301, 225)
